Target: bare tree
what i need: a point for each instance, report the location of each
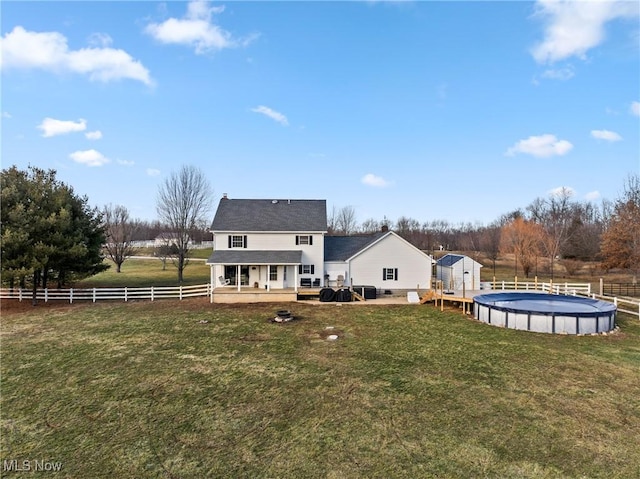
(522, 238)
(555, 215)
(342, 221)
(120, 232)
(183, 203)
(490, 242)
(370, 225)
(621, 241)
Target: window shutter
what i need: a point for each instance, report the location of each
(229, 241)
(312, 269)
(311, 241)
(245, 241)
(299, 269)
(384, 274)
(395, 274)
(297, 240)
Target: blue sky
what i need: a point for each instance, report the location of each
(457, 110)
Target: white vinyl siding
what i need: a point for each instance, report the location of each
(414, 267)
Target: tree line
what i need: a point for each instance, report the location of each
(557, 228)
(51, 234)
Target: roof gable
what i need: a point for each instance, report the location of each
(270, 215)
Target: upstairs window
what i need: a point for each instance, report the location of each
(237, 241)
(304, 240)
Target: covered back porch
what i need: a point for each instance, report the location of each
(255, 276)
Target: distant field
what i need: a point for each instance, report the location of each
(148, 272)
(193, 390)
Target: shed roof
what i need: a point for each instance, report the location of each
(237, 215)
(451, 259)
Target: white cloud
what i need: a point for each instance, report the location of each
(196, 29)
(605, 135)
(6, 114)
(49, 51)
(153, 172)
(561, 191)
(126, 162)
(574, 27)
(52, 127)
(93, 135)
(100, 40)
(562, 74)
(373, 180)
(592, 195)
(89, 158)
(274, 115)
(635, 108)
(541, 146)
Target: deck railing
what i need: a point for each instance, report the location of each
(550, 287)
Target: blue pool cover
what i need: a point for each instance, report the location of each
(546, 304)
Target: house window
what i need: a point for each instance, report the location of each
(304, 240)
(237, 241)
(273, 273)
(306, 269)
(390, 274)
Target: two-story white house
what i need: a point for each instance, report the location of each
(266, 245)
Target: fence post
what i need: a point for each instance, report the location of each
(94, 295)
(20, 294)
(151, 293)
(180, 292)
(46, 294)
(70, 295)
(601, 286)
(125, 294)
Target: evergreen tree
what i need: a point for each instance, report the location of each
(48, 232)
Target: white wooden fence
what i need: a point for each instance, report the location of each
(625, 305)
(550, 287)
(100, 294)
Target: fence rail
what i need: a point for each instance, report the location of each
(554, 288)
(625, 305)
(621, 289)
(101, 294)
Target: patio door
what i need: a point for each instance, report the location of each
(231, 271)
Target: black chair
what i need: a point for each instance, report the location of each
(316, 283)
(305, 282)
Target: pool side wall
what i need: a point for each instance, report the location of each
(545, 323)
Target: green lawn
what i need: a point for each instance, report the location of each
(148, 390)
(141, 273)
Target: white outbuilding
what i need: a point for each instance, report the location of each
(458, 272)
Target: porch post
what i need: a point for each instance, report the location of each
(268, 277)
(295, 277)
(238, 279)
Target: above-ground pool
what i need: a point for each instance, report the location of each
(545, 313)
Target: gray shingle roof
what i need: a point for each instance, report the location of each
(341, 248)
(270, 215)
(255, 257)
(449, 259)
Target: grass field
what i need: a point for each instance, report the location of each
(193, 390)
(140, 273)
